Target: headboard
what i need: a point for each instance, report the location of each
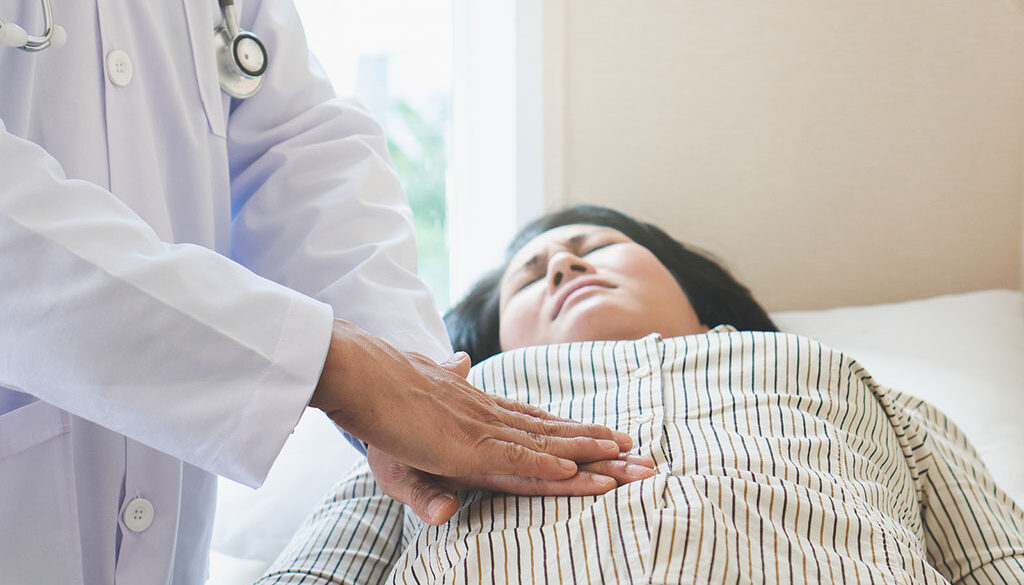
(831, 153)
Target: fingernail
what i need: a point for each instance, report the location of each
(436, 505)
(567, 465)
(640, 460)
(639, 471)
(604, 482)
(610, 446)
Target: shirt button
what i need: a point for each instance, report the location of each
(138, 514)
(119, 68)
(643, 372)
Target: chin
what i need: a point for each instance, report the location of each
(598, 322)
(609, 335)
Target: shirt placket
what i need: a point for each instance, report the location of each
(148, 517)
(642, 501)
(129, 123)
(147, 514)
(646, 384)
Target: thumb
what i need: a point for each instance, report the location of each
(458, 364)
(432, 500)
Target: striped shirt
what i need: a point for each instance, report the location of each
(778, 460)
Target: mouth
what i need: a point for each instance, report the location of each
(578, 284)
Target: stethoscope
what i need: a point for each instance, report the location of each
(241, 56)
(13, 35)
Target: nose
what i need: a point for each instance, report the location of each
(564, 266)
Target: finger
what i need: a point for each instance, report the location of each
(432, 500)
(578, 449)
(549, 424)
(459, 364)
(542, 422)
(502, 457)
(584, 483)
(623, 471)
(637, 459)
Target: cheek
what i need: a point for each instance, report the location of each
(518, 324)
(676, 315)
(654, 286)
(648, 277)
(661, 286)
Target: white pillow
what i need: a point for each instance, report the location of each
(964, 353)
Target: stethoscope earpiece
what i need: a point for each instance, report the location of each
(59, 37)
(241, 56)
(14, 36)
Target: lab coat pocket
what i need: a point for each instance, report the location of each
(204, 56)
(39, 540)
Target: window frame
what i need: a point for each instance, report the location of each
(507, 127)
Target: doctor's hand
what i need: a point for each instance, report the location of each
(433, 498)
(427, 416)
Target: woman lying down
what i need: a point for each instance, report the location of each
(775, 459)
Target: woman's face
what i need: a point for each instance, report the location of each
(583, 283)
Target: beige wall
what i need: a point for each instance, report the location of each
(832, 153)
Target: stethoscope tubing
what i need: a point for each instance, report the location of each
(230, 14)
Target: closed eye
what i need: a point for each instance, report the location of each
(533, 280)
(600, 246)
(538, 276)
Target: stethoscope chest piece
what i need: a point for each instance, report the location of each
(241, 56)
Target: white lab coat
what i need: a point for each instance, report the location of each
(136, 358)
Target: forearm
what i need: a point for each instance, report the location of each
(105, 320)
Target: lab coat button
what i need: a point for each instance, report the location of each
(138, 514)
(119, 68)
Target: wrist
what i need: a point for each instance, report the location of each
(342, 391)
(331, 384)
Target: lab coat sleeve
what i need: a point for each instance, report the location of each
(317, 205)
(175, 346)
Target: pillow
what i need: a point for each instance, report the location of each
(963, 353)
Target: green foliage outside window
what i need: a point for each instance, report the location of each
(419, 151)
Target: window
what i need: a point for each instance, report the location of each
(457, 85)
(505, 128)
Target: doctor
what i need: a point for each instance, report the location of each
(172, 264)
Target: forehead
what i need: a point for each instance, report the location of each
(562, 236)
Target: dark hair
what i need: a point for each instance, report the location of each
(716, 296)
